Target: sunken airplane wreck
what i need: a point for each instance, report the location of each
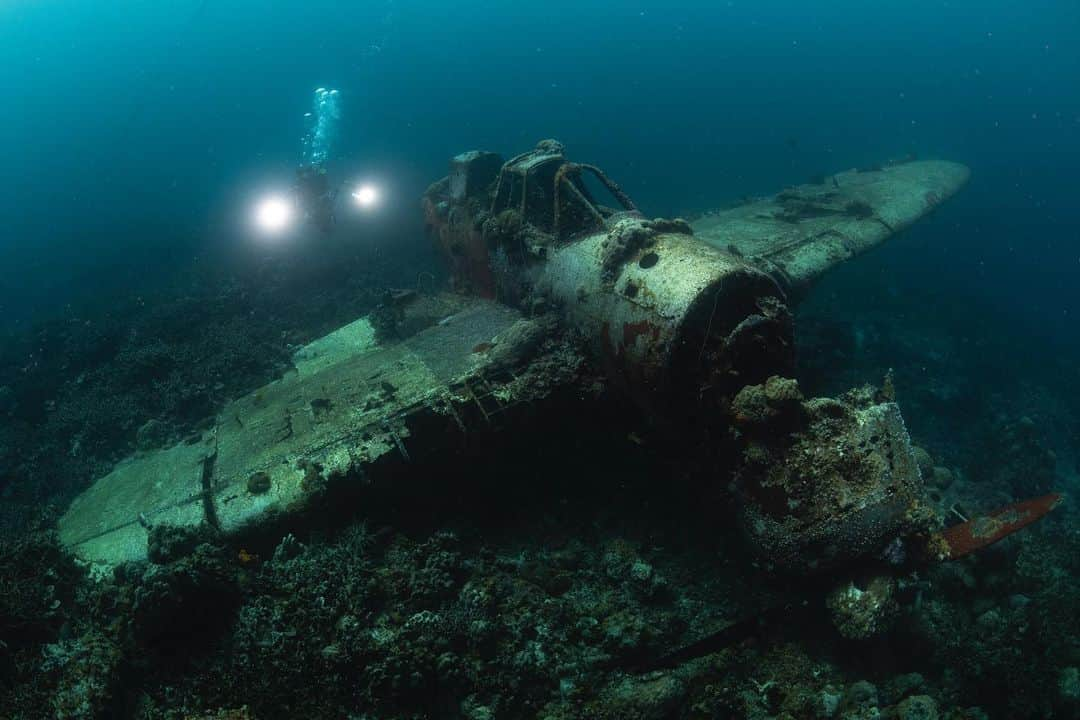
(551, 290)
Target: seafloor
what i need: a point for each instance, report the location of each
(541, 578)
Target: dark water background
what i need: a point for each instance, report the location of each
(133, 132)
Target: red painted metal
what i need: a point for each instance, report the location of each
(465, 251)
(967, 537)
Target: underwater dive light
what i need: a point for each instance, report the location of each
(366, 196)
(273, 214)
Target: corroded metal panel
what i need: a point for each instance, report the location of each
(276, 447)
(109, 522)
(350, 403)
(670, 299)
(801, 232)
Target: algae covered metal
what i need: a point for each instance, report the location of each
(353, 407)
(668, 307)
(553, 293)
(803, 231)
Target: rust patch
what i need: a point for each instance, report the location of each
(631, 331)
(605, 340)
(632, 370)
(480, 273)
(464, 249)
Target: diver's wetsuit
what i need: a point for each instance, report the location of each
(316, 197)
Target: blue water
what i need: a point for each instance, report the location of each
(133, 133)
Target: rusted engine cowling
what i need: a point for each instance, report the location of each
(672, 318)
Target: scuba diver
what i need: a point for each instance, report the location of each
(315, 198)
(313, 195)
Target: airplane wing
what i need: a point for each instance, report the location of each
(803, 231)
(354, 408)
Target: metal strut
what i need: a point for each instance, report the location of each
(397, 440)
(567, 173)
